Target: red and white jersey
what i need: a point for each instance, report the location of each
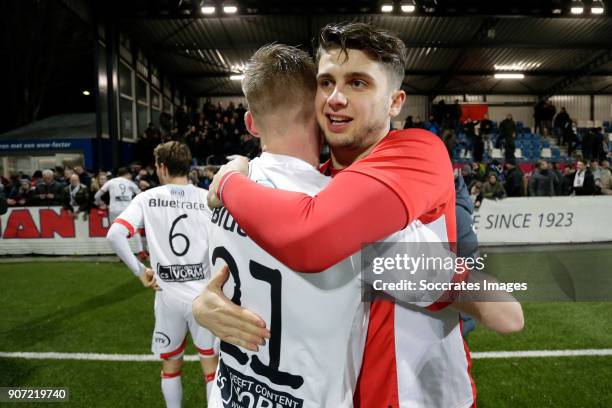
(415, 356)
(317, 321)
(121, 192)
(177, 220)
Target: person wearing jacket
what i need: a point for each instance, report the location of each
(76, 197)
(49, 192)
(492, 188)
(514, 180)
(542, 182)
(584, 183)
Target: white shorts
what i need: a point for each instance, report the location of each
(172, 319)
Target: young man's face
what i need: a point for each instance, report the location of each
(353, 101)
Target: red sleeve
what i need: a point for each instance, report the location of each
(310, 234)
(407, 176)
(415, 165)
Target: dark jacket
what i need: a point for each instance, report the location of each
(561, 119)
(54, 188)
(467, 242)
(81, 198)
(542, 184)
(514, 183)
(506, 128)
(588, 187)
(3, 203)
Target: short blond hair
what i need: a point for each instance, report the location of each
(279, 75)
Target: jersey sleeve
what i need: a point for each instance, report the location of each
(405, 178)
(132, 217)
(134, 188)
(103, 190)
(415, 165)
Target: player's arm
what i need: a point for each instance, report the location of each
(505, 316)
(399, 182)
(134, 188)
(310, 234)
(117, 236)
(100, 193)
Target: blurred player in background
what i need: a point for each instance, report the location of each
(177, 221)
(121, 190)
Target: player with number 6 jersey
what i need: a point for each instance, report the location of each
(177, 220)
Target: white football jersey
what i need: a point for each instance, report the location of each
(121, 191)
(318, 321)
(177, 220)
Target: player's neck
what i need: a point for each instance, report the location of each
(176, 180)
(305, 150)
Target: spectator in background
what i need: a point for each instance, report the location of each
(469, 129)
(538, 116)
(249, 146)
(486, 130)
(97, 183)
(3, 200)
(600, 145)
(84, 177)
(567, 182)
(409, 123)
(595, 171)
(510, 147)
(560, 122)
(606, 182)
(479, 171)
(514, 180)
(207, 176)
(542, 182)
(507, 130)
(548, 113)
(588, 145)
(583, 184)
(76, 197)
(49, 192)
(450, 141)
(36, 177)
(476, 194)
(432, 125)
(556, 171)
(21, 195)
(466, 173)
(181, 119)
(493, 189)
(67, 171)
(456, 113)
(418, 123)
(569, 137)
(605, 166)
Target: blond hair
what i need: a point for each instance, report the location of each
(278, 76)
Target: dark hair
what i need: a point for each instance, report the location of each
(122, 171)
(380, 45)
(175, 156)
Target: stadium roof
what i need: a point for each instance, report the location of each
(66, 126)
(454, 48)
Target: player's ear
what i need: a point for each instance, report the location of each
(397, 101)
(250, 123)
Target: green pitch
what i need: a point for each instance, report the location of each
(102, 308)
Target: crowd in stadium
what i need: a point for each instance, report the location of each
(217, 131)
